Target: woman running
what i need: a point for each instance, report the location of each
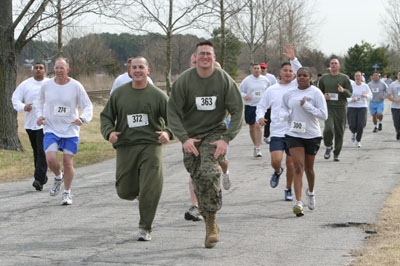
(302, 107)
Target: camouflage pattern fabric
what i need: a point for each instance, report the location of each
(205, 172)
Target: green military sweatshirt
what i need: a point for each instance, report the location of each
(136, 113)
(198, 105)
(329, 84)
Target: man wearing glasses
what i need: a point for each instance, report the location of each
(24, 99)
(200, 100)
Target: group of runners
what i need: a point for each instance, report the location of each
(139, 118)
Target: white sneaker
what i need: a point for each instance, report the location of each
(358, 144)
(311, 200)
(66, 198)
(257, 152)
(55, 189)
(298, 209)
(226, 183)
(144, 235)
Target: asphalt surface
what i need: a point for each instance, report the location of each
(257, 227)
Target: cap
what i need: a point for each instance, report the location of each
(263, 65)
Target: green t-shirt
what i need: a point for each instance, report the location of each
(329, 84)
(198, 105)
(136, 113)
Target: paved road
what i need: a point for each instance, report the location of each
(257, 225)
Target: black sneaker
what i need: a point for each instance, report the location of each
(336, 158)
(36, 184)
(398, 136)
(375, 130)
(327, 154)
(193, 214)
(380, 127)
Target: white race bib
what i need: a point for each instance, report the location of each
(62, 110)
(206, 103)
(334, 96)
(256, 94)
(137, 120)
(375, 90)
(299, 127)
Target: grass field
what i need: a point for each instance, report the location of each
(92, 148)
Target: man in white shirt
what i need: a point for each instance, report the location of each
(252, 89)
(58, 104)
(126, 77)
(24, 100)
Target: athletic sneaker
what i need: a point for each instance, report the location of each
(398, 136)
(66, 198)
(37, 185)
(298, 209)
(226, 183)
(336, 158)
(358, 144)
(375, 129)
(193, 214)
(275, 179)
(288, 194)
(257, 152)
(353, 137)
(266, 140)
(380, 127)
(144, 235)
(55, 189)
(327, 154)
(311, 200)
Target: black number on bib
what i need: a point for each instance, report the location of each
(137, 118)
(206, 101)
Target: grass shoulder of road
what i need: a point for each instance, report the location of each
(383, 248)
(92, 149)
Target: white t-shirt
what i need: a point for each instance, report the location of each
(123, 79)
(271, 78)
(253, 87)
(394, 90)
(303, 120)
(59, 105)
(357, 92)
(27, 93)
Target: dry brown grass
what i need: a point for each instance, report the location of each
(92, 149)
(383, 248)
(96, 82)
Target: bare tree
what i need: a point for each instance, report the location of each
(31, 18)
(391, 23)
(248, 25)
(269, 18)
(170, 17)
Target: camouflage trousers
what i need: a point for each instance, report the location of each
(205, 172)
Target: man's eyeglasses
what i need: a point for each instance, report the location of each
(205, 53)
(39, 67)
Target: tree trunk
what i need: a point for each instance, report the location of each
(59, 30)
(223, 37)
(168, 51)
(8, 58)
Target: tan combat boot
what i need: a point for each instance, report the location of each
(212, 230)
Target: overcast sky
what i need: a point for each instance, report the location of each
(343, 23)
(348, 22)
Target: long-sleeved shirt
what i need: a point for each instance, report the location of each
(303, 120)
(329, 84)
(378, 89)
(59, 105)
(137, 114)
(123, 79)
(27, 93)
(199, 105)
(272, 98)
(358, 90)
(394, 90)
(254, 87)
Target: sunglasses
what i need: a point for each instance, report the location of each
(263, 67)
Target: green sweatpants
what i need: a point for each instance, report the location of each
(205, 172)
(139, 171)
(334, 127)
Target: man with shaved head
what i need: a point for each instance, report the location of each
(336, 88)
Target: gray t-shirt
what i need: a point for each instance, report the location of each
(394, 90)
(378, 90)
